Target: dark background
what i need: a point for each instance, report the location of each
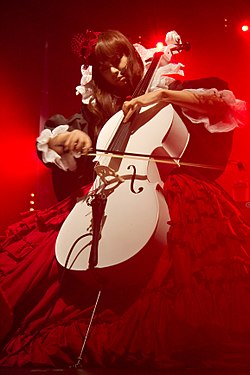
(39, 73)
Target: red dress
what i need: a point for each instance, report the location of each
(194, 310)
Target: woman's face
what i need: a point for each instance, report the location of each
(113, 71)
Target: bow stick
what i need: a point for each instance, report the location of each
(157, 159)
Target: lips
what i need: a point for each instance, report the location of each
(122, 78)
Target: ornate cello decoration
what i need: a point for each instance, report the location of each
(123, 221)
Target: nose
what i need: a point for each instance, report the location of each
(117, 71)
(114, 70)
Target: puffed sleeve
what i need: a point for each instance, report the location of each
(233, 111)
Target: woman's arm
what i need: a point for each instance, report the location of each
(61, 147)
(209, 102)
(63, 140)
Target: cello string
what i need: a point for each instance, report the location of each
(104, 159)
(115, 130)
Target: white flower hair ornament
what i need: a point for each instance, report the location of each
(85, 87)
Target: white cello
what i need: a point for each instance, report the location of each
(118, 232)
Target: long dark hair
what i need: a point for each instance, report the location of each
(106, 99)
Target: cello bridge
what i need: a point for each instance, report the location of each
(108, 175)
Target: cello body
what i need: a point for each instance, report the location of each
(134, 221)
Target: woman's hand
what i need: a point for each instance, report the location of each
(76, 141)
(129, 107)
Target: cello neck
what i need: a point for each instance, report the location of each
(123, 133)
(145, 81)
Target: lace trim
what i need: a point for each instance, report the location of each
(235, 116)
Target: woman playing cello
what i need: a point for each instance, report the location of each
(194, 309)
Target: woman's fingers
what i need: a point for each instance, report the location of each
(129, 108)
(128, 114)
(78, 141)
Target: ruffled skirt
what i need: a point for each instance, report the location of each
(193, 311)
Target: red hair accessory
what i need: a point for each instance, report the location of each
(83, 45)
